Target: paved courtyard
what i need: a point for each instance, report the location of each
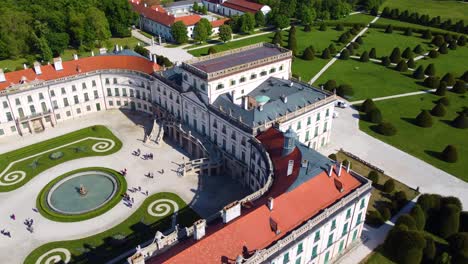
(130, 130)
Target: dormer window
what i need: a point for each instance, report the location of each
(185, 77)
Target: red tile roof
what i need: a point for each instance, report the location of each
(70, 68)
(243, 5)
(219, 22)
(252, 231)
(163, 17)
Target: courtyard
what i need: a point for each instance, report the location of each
(192, 196)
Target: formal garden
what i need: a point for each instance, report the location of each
(155, 214)
(19, 166)
(434, 231)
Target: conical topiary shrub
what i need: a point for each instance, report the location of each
(424, 119)
(367, 106)
(442, 89)
(308, 54)
(459, 87)
(386, 129)
(461, 121)
(374, 116)
(449, 154)
(444, 100)
(438, 110)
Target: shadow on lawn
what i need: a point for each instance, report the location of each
(434, 154)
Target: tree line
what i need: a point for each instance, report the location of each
(47, 27)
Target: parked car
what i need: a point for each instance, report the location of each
(341, 104)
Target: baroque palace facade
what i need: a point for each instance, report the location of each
(237, 112)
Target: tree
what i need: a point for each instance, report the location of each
(247, 23)
(326, 54)
(395, 57)
(367, 106)
(443, 49)
(195, 7)
(212, 50)
(407, 220)
(418, 49)
(330, 85)
(373, 53)
(344, 54)
(427, 34)
(204, 10)
(389, 186)
(339, 27)
(374, 177)
(58, 42)
(450, 154)
(408, 32)
(459, 87)
(323, 27)
(419, 73)
(411, 64)
(442, 89)
(453, 45)
(200, 33)
(464, 77)
(292, 43)
(374, 116)
(332, 48)
(45, 51)
(344, 38)
(225, 33)
(385, 213)
(364, 57)
(260, 20)
(281, 21)
(407, 53)
(424, 119)
(385, 61)
(308, 15)
(449, 220)
(142, 51)
(419, 217)
(344, 90)
(433, 53)
(359, 40)
(332, 156)
(461, 121)
(386, 129)
(179, 32)
(97, 25)
(402, 66)
(429, 251)
(430, 70)
(444, 100)
(277, 38)
(449, 79)
(458, 246)
(438, 40)
(389, 29)
(308, 54)
(461, 40)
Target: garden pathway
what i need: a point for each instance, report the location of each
(334, 59)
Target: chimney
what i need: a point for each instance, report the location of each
(25, 66)
(2, 76)
(330, 170)
(37, 68)
(270, 203)
(231, 211)
(75, 56)
(239, 259)
(199, 229)
(348, 167)
(284, 98)
(58, 64)
(289, 142)
(339, 169)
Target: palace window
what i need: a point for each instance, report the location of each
(253, 76)
(242, 79)
(272, 70)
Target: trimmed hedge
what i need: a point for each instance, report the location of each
(389, 186)
(374, 116)
(439, 110)
(424, 119)
(386, 129)
(367, 105)
(461, 121)
(374, 177)
(450, 154)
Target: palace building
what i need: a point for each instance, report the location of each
(238, 114)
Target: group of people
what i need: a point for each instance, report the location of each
(124, 172)
(6, 233)
(145, 156)
(128, 200)
(29, 222)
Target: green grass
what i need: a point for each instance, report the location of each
(47, 212)
(68, 53)
(377, 257)
(395, 23)
(358, 18)
(35, 165)
(454, 62)
(369, 80)
(424, 143)
(454, 10)
(384, 43)
(135, 230)
(307, 69)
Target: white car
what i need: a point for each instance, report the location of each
(341, 104)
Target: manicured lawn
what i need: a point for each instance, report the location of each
(319, 39)
(68, 53)
(368, 79)
(454, 62)
(307, 69)
(135, 230)
(424, 143)
(387, 21)
(384, 43)
(45, 210)
(454, 10)
(233, 44)
(358, 18)
(37, 158)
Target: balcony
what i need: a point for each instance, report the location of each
(35, 115)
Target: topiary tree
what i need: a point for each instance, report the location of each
(433, 54)
(339, 27)
(326, 54)
(212, 50)
(407, 220)
(179, 32)
(408, 32)
(453, 45)
(402, 66)
(344, 90)
(374, 177)
(389, 186)
(332, 48)
(367, 105)
(461, 121)
(464, 77)
(323, 27)
(432, 82)
(374, 116)
(374, 218)
(225, 33)
(292, 42)
(350, 48)
(439, 110)
(385, 61)
(418, 49)
(438, 40)
(429, 251)
(277, 38)
(407, 53)
(427, 34)
(307, 28)
(386, 129)
(419, 73)
(449, 79)
(459, 87)
(411, 64)
(424, 119)
(344, 54)
(389, 29)
(419, 217)
(461, 40)
(430, 70)
(449, 220)
(385, 213)
(364, 57)
(359, 40)
(443, 49)
(449, 154)
(452, 200)
(346, 163)
(401, 198)
(442, 89)
(458, 247)
(444, 100)
(332, 156)
(308, 54)
(373, 53)
(330, 85)
(395, 57)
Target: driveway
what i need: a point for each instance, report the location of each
(396, 163)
